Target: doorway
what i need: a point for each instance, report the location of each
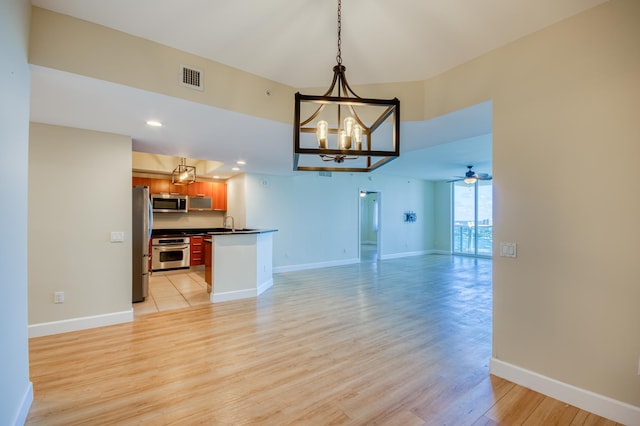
(369, 225)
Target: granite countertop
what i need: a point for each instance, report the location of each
(206, 231)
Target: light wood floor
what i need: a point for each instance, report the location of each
(396, 342)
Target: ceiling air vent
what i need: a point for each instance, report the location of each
(191, 77)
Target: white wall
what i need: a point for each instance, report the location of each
(79, 191)
(236, 204)
(317, 217)
(15, 391)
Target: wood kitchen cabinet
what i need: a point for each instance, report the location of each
(217, 191)
(159, 186)
(219, 196)
(196, 250)
(139, 181)
(208, 264)
(199, 189)
(178, 189)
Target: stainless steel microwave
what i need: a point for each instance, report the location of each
(169, 203)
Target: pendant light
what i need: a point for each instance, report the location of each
(183, 174)
(342, 131)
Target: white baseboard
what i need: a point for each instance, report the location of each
(82, 323)
(446, 252)
(601, 405)
(306, 266)
(23, 410)
(411, 253)
(232, 295)
(264, 286)
(302, 267)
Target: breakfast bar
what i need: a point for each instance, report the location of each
(238, 264)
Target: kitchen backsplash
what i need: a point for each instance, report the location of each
(188, 220)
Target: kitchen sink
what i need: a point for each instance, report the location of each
(229, 231)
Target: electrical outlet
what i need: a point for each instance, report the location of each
(58, 297)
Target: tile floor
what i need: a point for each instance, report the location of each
(173, 290)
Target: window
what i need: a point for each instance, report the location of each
(472, 218)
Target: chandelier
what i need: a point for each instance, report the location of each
(183, 174)
(342, 131)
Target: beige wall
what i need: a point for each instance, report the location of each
(79, 191)
(16, 392)
(114, 56)
(566, 148)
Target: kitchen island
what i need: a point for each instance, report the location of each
(238, 264)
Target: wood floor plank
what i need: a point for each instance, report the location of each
(397, 342)
(516, 406)
(552, 412)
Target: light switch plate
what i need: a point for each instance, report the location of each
(508, 250)
(117, 236)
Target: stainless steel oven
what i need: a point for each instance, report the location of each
(169, 253)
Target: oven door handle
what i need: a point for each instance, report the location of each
(168, 247)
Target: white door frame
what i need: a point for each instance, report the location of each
(379, 233)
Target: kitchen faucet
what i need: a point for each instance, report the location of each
(233, 225)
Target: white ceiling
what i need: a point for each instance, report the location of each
(295, 43)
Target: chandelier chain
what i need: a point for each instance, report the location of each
(339, 55)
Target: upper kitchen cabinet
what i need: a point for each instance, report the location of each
(178, 189)
(215, 191)
(199, 189)
(219, 196)
(160, 186)
(140, 181)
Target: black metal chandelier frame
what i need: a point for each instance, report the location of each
(348, 100)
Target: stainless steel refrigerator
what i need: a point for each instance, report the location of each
(142, 218)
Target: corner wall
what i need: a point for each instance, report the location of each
(79, 192)
(16, 392)
(566, 150)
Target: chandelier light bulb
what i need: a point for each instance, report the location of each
(322, 131)
(348, 131)
(357, 136)
(344, 141)
(348, 125)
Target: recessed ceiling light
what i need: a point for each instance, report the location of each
(235, 169)
(154, 123)
(241, 162)
(216, 177)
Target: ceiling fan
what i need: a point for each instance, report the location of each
(472, 177)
